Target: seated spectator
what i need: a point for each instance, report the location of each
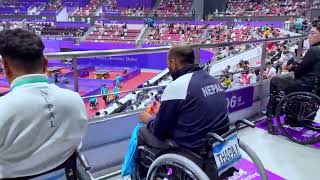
(44, 124)
(305, 74)
(252, 77)
(93, 101)
(227, 81)
(236, 81)
(270, 71)
(245, 78)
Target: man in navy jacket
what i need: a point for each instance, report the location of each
(193, 104)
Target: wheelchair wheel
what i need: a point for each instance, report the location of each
(254, 157)
(296, 115)
(175, 167)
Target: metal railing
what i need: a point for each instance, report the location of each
(123, 92)
(103, 53)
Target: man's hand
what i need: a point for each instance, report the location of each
(145, 117)
(156, 107)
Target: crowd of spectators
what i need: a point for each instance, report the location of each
(89, 9)
(44, 28)
(10, 25)
(111, 5)
(50, 29)
(241, 75)
(137, 11)
(173, 33)
(53, 5)
(265, 7)
(281, 58)
(168, 8)
(113, 32)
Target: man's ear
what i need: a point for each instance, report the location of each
(45, 65)
(6, 68)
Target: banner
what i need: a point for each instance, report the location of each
(149, 61)
(240, 99)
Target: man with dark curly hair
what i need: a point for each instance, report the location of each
(41, 125)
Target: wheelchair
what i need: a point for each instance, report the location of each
(295, 115)
(76, 167)
(177, 163)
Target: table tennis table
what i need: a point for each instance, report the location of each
(102, 74)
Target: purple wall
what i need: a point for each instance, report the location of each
(121, 21)
(278, 24)
(150, 45)
(72, 24)
(56, 45)
(95, 83)
(131, 75)
(79, 2)
(205, 56)
(101, 46)
(135, 3)
(190, 22)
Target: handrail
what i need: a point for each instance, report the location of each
(232, 55)
(119, 52)
(121, 92)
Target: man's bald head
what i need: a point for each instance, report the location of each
(183, 55)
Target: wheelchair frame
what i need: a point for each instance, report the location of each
(197, 159)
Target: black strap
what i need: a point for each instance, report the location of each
(70, 167)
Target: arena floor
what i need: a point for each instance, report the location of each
(128, 85)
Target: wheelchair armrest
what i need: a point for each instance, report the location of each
(245, 122)
(83, 160)
(216, 137)
(171, 143)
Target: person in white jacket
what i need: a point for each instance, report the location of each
(41, 125)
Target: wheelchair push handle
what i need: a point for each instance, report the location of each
(83, 160)
(246, 122)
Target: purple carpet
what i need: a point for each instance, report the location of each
(248, 170)
(296, 131)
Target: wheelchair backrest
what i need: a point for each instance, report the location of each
(67, 170)
(316, 88)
